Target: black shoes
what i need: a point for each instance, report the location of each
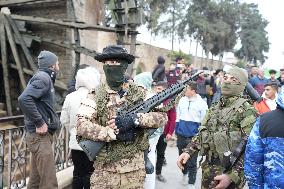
(161, 178)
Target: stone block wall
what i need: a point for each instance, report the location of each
(55, 10)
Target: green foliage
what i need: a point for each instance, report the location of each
(213, 24)
(216, 24)
(252, 34)
(241, 64)
(186, 57)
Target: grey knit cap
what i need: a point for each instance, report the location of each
(239, 74)
(46, 59)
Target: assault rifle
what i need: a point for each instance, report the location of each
(231, 158)
(92, 148)
(252, 93)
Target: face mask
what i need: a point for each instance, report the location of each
(53, 76)
(115, 75)
(51, 72)
(228, 89)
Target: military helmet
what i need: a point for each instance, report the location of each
(114, 52)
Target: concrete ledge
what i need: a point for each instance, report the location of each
(64, 178)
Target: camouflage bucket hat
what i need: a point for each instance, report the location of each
(112, 52)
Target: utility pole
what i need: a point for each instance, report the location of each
(173, 24)
(127, 17)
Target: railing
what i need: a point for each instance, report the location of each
(14, 157)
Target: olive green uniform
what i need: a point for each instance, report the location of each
(224, 126)
(222, 130)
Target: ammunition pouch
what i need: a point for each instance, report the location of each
(221, 143)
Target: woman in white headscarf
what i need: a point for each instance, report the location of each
(86, 79)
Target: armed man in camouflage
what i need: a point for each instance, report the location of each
(225, 125)
(120, 164)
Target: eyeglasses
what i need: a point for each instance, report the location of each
(232, 79)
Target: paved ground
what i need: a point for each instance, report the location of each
(173, 174)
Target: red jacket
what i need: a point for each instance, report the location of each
(171, 124)
(261, 107)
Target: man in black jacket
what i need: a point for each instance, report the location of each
(159, 72)
(37, 103)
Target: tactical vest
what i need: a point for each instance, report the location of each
(117, 150)
(223, 128)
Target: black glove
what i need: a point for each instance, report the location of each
(128, 136)
(149, 168)
(124, 123)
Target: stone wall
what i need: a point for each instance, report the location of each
(211, 64)
(92, 39)
(87, 11)
(55, 10)
(147, 56)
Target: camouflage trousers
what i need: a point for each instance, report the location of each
(209, 171)
(102, 179)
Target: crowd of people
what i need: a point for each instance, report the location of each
(239, 140)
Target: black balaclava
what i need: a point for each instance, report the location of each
(51, 72)
(115, 75)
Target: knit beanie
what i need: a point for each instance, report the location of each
(240, 74)
(46, 59)
(160, 60)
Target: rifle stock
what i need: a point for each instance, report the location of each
(92, 148)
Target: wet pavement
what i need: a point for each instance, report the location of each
(173, 174)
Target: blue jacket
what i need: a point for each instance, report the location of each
(37, 103)
(264, 156)
(190, 113)
(258, 84)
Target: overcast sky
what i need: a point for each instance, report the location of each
(271, 10)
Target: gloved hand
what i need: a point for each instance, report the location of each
(149, 168)
(124, 124)
(127, 136)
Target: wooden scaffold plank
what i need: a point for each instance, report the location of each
(78, 25)
(5, 65)
(15, 53)
(63, 44)
(58, 83)
(11, 2)
(22, 43)
(21, 2)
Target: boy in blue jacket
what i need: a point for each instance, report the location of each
(264, 157)
(191, 110)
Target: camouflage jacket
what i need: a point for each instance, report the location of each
(88, 127)
(222, 130)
